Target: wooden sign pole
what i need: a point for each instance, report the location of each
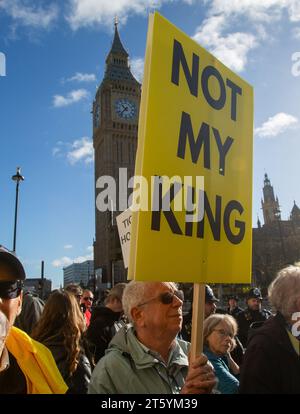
(197, 320)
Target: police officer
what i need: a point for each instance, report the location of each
(233, 307)
(252, 313)
(209, 308)
(210, 302)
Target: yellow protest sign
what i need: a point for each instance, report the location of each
(196, 120)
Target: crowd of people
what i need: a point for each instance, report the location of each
(139, 333)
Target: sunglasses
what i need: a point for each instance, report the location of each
(10, 290)
(87, 298)
(166, 298)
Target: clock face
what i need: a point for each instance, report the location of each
(125, 109)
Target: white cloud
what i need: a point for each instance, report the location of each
(72, 97)
(276, 125)
(294, 10)
(82, 150)
(27, 13)
(68, 246)
(62, 262)
(66, 261)
(84, 13)
(81, 259)
(137, 68)
(94, 12)
(90, 248)
(79, 150)
(82, 77)
(255, 10)
(231, 49)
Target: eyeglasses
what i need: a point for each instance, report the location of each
(166, 298)
(10, 290)
(87, 298)
(224, 333)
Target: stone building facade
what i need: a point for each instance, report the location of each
(276, 243)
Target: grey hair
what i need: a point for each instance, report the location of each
(284, 291)
(115, 293)
(135, 293)
(213, 320)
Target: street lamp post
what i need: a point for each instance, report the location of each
(17, 178)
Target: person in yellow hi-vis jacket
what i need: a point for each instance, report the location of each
(26, 366)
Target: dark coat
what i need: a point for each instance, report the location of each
(234, 312)
(246, 318)
(186, 330)
(271, 365)
(101, 330)
(77, 382)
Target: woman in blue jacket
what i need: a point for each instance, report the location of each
(219, 333)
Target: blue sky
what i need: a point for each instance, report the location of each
(55, 53)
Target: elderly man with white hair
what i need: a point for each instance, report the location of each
(272, 359)
(146, 357)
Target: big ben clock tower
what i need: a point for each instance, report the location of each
(115, 127)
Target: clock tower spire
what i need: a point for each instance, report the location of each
(270, 205)
(115, 126)
(117, 65)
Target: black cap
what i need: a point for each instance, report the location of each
(254, 293)
(11, 268)
(234, 297)
(209, 295)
